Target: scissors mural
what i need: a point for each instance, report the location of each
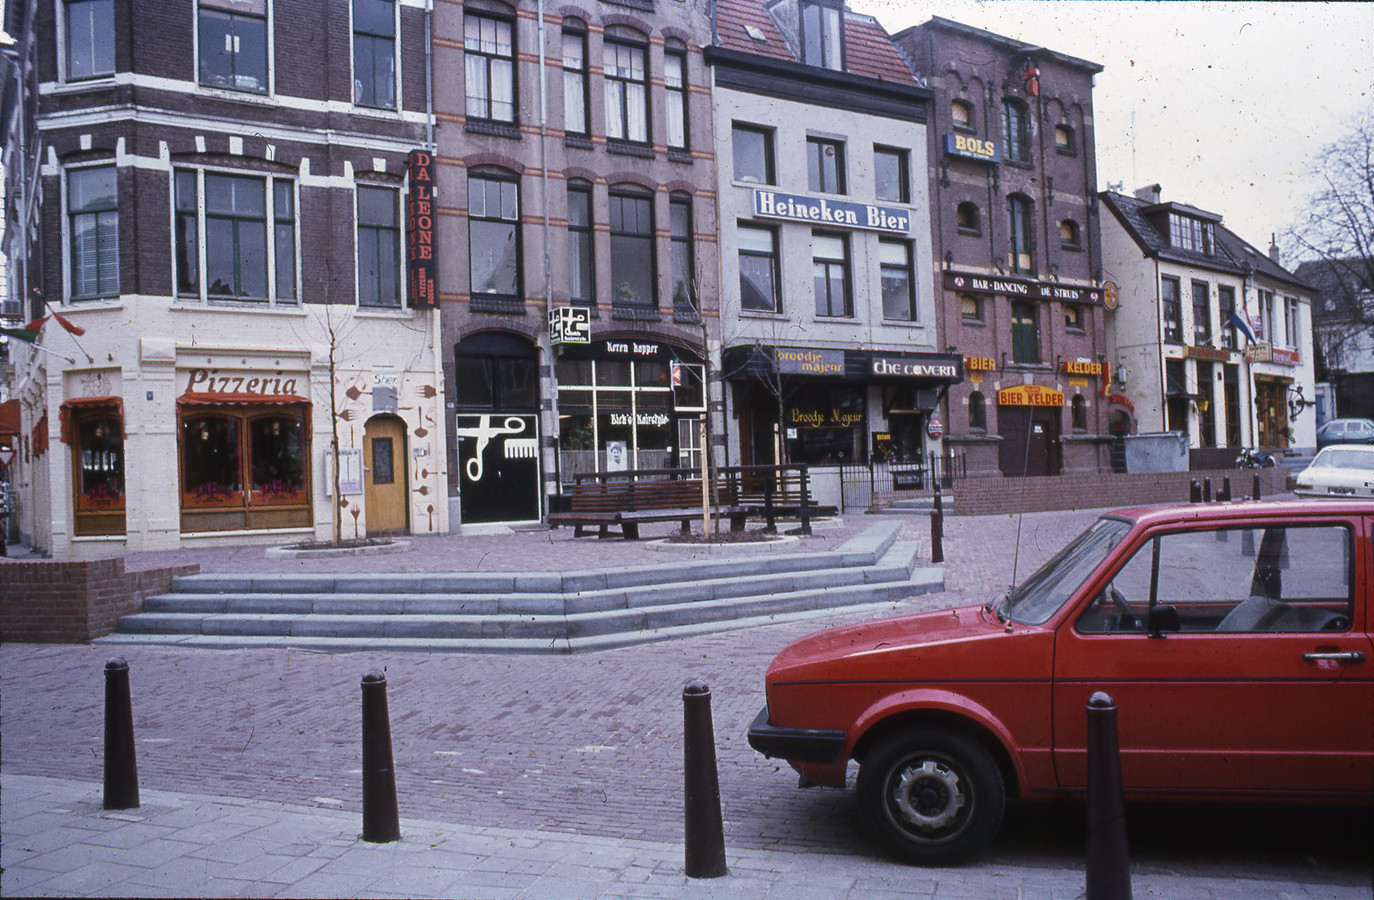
(515, 448)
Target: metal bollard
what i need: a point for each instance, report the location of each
(1207, 490)
(1257, 487)
(1224, 495)
(1109, 862)
(121, 763)
(937, 529)
(381, 821)
(705, 845)
(1194, 492)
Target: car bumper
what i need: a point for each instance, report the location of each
(799, 745)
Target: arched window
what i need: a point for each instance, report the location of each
(625, 62)
(962, 113)
(633, 275)
(1015, 131)
(1078, 413)
(1069, 235)
(575, 80)
(971, 307)
(1063, 139)
(494, 233)
(977, 412)
(967, 218)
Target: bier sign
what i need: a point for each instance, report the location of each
(420, 230)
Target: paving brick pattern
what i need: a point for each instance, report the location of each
(588, 744)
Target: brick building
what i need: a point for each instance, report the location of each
(210, 194)
(1014, 218)
(577, 235)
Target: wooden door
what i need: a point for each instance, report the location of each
(384, 475)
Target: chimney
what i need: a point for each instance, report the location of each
(1273, 248)
(1149, 193)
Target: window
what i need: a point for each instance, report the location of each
(822, 35)
(1206, 412)
(1070, 238)
(633, 275)
(93, 229)
(627, 86)
(977, 412)
(971, 307)
(899, 294)
(374, 53)
(1266, 305)
(1170, 310)
(1226, 304)
(1073, 318)
(675, 87)
(1202, 318)
(90, 38)
(1187, 233)
(581, 261)
(379, 248)
(496, 372)
(1063, 139)
(1025, 333)
(830, 272)
(1015, 139)
(825, 165)
(752, 149)
(95, 429)
(244, 467)
(1290, 321)
(684, 272)
(240, 230)
(494, 236)
(233, 44)
(1078, 413)
(758, 269)
(1019, 234)
(967, 219)
(489, 67)
(890, 175)
(961, 111)
(575, 77)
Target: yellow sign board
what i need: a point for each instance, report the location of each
(1030, 395)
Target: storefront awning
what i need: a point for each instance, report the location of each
(761, 361)
(111, 406)
(9, 417)
(238, 399)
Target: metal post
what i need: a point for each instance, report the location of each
(381, 820)
(1194, 492)
(937, 528)
(1225, 493)
(1257, 486)
(805, 500)
(1207, 490)
(1109, 862)
(705, 845)
(769, 517)
(121, 763)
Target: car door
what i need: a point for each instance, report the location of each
(1266, 686)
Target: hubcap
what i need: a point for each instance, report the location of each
(929, 795)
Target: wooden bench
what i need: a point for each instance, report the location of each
(629, 503)
(771, 496)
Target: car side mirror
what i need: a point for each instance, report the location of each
(1161, 619)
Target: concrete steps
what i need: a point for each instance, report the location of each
(529, 612)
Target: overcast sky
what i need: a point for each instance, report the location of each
(1228, 102)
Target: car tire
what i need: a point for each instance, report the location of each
(931, 796)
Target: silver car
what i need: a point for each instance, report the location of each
(1345, 470)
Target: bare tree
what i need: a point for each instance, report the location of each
(1334, 237)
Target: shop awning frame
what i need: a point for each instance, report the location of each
(85, 404)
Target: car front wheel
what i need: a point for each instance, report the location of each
(931, 796)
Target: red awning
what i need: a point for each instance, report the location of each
(240, 399)
(112, 406)
(9, 417)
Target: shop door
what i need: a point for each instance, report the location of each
(1030, 440)
(384, 468)
(498, 458)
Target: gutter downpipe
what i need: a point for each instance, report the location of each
(551, 427)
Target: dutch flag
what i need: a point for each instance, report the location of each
(1243, 327)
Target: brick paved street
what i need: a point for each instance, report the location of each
(588, 744)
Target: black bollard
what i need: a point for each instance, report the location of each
(1207, 490)
(937, 529)
(705, 846)
(381, 821)
(1109, 862)
(121, 762)
(1194, 492)
(1224, 494)
(1257, 486)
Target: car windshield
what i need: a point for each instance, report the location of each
(1344, 458)
(1040, 596)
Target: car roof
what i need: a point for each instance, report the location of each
(1241, 509)
(1348, 421)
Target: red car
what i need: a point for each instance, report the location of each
(1234, 638)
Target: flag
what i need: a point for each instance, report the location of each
(37, 324)
(1243, 327)
(25, 334)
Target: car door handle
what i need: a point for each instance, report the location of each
(1336, 656)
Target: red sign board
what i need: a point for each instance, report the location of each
(420, 230)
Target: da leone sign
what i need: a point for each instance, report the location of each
(822, 210)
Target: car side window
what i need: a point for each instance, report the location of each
(1276, 579)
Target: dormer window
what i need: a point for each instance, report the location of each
(822, 35)
(1187, 233)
